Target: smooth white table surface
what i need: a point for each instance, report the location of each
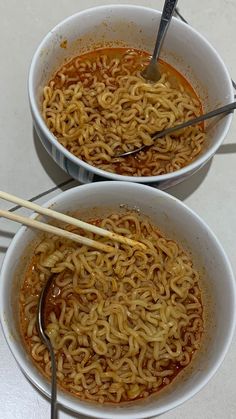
(26, 170)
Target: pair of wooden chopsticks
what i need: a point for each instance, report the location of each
(67, 219)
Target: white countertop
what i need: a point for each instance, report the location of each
(27, 171)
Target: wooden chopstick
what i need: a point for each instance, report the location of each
(55, 230)
(71, 220)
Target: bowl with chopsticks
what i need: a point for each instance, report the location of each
(76, 310)
(85, 123)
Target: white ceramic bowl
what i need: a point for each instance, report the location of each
(132, 26)
(180, 223)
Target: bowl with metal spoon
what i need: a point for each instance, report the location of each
(94, 157)
(94, 200)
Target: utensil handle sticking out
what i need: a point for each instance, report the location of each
(70, 220)
(47, 342)
(167, 13)
(224, 109)
(53, 385)
(30, 222)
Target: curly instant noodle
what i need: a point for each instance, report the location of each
(122, 324)
(98, 106)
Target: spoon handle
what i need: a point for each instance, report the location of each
(47, 342)
(166, 16)
(53, 383)
(223, 109)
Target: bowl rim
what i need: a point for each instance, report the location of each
(75, 404)
(185, 171)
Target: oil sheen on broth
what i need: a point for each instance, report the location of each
(122, 324)
(98, 105)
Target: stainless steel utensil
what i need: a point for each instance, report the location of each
(224, 109)
(152, 72)
(46, 340)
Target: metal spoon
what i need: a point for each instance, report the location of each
(152, 72)
(224, 109)
(46, 340)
